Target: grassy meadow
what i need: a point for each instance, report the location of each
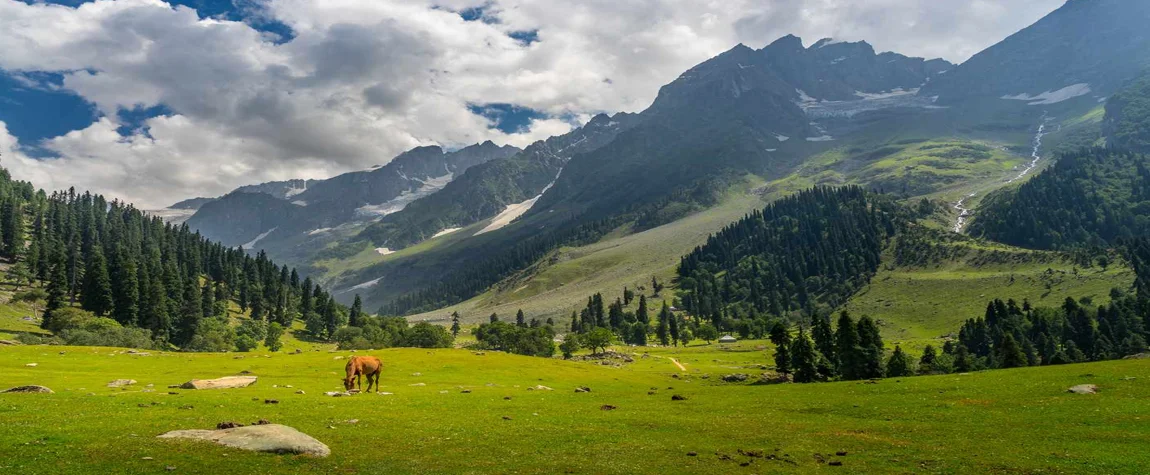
(1007, 421)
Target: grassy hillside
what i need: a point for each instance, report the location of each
(970, 423)
(920, 301)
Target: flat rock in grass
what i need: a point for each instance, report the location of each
(9, 343)
(28, 389)
(121, 383)
(227, 382)
(275, 438)
(1083, 389)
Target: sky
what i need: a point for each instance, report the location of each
(153, 102)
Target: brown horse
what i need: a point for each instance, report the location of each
(360, 366)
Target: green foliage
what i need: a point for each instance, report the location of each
(426, 335)
(597, 339)
(899, 364)
(1094, 197)
(272, 340)
(245, 343)
(1127, 122)
(507, 337)
(388, 332)
(569, 346)
(814, 248)
(213, 334)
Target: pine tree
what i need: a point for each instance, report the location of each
(899, 364)
(455, 324)
(97, 294)
(641, 313)
(1010, 355)
(208, 299)
(57, 296)
(852, 361)
(781, 338)
(663, 331)
(804, 359)
(926, 362)
(962, 363)
(520, 319)
(355, 315)
(673, 328)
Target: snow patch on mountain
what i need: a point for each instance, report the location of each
(445, 232)
(514, 211)
(365, 285)
(318, 231)
(1052, 97)
(397, 204)
(383, 251)
(295, 191)
(251, 244)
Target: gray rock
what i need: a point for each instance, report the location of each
(1083, 389)
(28, 389)
(227, 382)
(275, 438)
(735, 378)
(121, 382)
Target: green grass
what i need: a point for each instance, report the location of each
(1007, 421)
(918, 304)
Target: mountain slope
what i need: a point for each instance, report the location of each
(1085, 48)
(324, 204)
(1127, 121)
(488, 189)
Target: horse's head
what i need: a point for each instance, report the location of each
(349, 383)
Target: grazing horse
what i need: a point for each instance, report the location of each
(360, 366)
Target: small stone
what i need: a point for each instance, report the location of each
(31, 365)
(352, 421)
(835, 463)
(189, 407)
(607, 407)
(146, 458)
(506, 418)
(385, 394)
(173, 393)
(465, 391)
(841, 453)
(1083, 389)
(300, 392)
(417, 374)
(692, 454)
(676, 397)
(582, 389)
(271, 401)
(288, 386)
(169, 468)
(121, 383)
(418, 384)
(506, 398)
(262, 422)
(650, 393)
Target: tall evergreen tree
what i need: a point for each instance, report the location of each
(96, 296)
(355, 315)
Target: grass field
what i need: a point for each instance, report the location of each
(1009, 421)
(917, 304)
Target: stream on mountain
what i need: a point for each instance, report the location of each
(964, 212)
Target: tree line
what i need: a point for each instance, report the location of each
(108, 269)
(803, 253)
(1092, 197)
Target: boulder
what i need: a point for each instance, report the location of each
(1139, 356)
(1083, 389)
(735, 378)
(28, 389)
(275, 438)
(539, 388)
(121, 383)
(9, 343)
(337, 393)
(227, 382)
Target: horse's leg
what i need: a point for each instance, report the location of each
(359, 381)
(377, 380)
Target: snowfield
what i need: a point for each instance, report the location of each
(1053, 97)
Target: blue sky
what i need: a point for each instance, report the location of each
(35, 107)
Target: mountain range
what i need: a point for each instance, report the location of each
(434, 228)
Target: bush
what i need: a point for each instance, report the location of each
(65, 318)
(213, 334)
(426, 335)
(502, 336)
(272, 340)
(103, 335)
(569, 346)
(245, 343)
(255, 329)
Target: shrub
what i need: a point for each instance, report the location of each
(426, 335)
(213, 334)
(245, 343)
(272, 340)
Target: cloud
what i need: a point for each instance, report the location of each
(360, 82)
